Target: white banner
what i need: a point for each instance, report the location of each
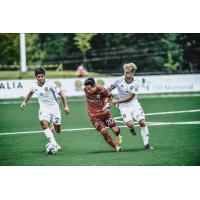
(74, 86)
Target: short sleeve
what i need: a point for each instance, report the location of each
(55, 88)
(114, 85)
(135, 87)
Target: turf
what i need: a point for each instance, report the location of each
(174, 144)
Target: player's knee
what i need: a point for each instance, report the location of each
(103, 131)
(142, 123)
(129, 124)
(57, 129)
(44, 126)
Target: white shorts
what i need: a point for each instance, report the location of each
(132, 112)
(51, 115)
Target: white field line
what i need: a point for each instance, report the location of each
(84, 129)
(140, 97)
(165, 113)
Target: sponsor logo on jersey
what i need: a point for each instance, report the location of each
(98, 96)
(131, 87)
(46, 88)
(41, 94)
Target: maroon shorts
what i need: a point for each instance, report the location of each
(102, 121)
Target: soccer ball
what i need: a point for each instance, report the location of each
(51, 149)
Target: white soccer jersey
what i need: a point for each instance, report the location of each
(124, 89)
(46, 94)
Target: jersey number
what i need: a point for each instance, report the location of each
(109, 121)
(56, 120)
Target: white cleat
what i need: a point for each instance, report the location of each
(118, 149)
(58, 147)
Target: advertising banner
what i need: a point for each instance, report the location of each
(74, 86)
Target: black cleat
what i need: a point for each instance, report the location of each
(147, 146)
(133, 131)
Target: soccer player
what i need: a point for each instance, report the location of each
(128, 103)
(49, 111)
(98, 111)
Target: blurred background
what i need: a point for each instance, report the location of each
(104, 53)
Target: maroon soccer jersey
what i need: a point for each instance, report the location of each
(96, 101)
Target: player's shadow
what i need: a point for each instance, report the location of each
(112, 151)
(133, 150)
(99, 152)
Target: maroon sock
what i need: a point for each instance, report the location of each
(117, 132)
(108, 138)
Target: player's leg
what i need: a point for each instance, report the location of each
(44, 124)
(56, 119)
(130, 125)
(101, 127)
(128, 119)
(45, 119)
(116, 131)
(110, 122)
(139, 116)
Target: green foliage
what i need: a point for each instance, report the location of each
(35, 54)
(82, 41)
(152, 52)
(9, 49)
(171, 65)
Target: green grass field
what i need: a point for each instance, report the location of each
(175, 144)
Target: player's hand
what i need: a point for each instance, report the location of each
(113, 101)
(23, 105)
(107, 110)
(66, 109)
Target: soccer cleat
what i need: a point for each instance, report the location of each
(119, 139)
(118, 149)
(58, 147)
(133, 131)
(147, 146)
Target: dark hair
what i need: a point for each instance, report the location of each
(89, 81)
(39, 70)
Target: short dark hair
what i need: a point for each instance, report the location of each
(39, 70)
(89, 81)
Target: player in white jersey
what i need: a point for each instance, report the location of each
(49, 111)
(128, 103)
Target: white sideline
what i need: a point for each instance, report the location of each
(151, 96)
(83, 129)
(166, 113)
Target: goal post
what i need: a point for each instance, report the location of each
(23, 52)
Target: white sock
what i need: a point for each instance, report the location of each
(145, 135)
(50, 136)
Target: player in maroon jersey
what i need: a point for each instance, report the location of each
(98, 111)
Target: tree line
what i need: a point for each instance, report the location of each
(105, 52)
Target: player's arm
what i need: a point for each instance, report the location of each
(127, 99)
(106, 108)
(64, 100)
(27, 98)
(112, 87)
